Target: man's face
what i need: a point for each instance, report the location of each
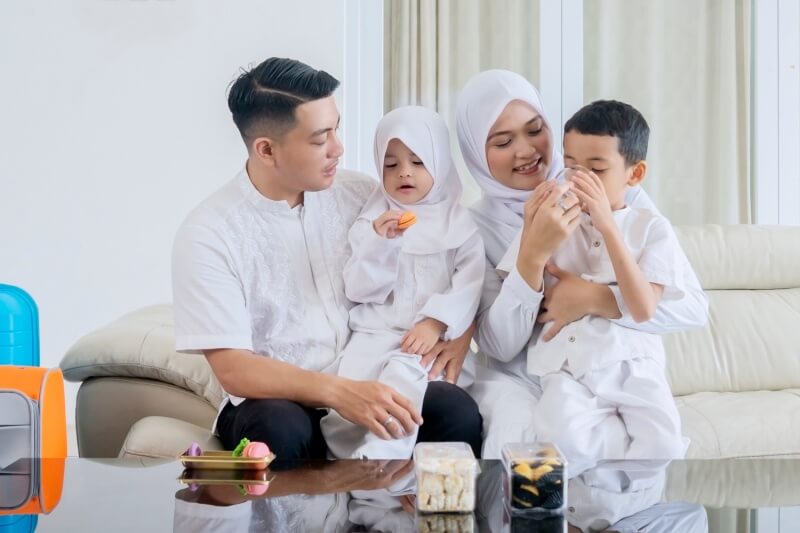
(600, 154)
(518, 147)
(307, 156)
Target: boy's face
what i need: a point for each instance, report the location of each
(308, 154)
(404, 174)
(600, 154)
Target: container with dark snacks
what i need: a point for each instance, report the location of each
(535, 478)
(445, 473)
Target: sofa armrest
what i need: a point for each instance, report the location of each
(141, 345)
(107, 408)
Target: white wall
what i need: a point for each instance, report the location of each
(113, 125)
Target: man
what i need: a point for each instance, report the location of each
(257, 281)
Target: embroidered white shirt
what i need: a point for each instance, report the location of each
(254, 274)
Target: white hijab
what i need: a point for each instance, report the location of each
(442, 222)
(484, 97)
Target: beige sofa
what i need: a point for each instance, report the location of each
(736, 381)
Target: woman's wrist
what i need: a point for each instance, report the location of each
(532, 271)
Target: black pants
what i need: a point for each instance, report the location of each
(292, 430)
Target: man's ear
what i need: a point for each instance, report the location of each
(638, 173)
(263, 149)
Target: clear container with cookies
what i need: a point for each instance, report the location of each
(535, 478)
(445, 473)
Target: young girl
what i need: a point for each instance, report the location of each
(413, 285)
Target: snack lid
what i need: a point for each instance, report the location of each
(522, 451)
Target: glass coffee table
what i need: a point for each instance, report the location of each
(753, 495)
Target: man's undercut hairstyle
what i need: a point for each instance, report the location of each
(263, 100)
(617, 119)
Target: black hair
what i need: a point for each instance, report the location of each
(263, 99)
(617, 119)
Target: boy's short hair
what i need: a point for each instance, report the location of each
(263, 99)
(617, 119)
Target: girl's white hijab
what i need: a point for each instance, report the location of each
(484, 97)
(442, 222)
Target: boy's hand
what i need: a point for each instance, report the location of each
(386, 224)
(423, 336)
(594, 200)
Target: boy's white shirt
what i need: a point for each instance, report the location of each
(254, 274)
(595, 342)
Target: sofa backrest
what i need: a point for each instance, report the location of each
(751, 275)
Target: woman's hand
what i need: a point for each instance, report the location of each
(449, 356)
(572, 298)
(547, 222)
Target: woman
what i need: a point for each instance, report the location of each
(508, 147)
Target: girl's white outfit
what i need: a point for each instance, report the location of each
(504, 390)
(435, 270)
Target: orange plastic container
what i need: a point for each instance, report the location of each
(33, 439)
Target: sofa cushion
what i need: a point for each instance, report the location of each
(741, 424)
(752, 339)
(743, 256)
(141, 345)
(159, 436)
(751, 343)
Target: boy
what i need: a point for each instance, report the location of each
(605, 392)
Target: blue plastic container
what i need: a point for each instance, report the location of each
(19, 327)
(18, 524)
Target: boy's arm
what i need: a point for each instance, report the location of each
(640, 296)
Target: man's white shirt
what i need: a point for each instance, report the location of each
(255, 274)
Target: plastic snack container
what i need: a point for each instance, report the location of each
(535, 478)
(445, 473)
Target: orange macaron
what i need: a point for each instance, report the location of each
(407, 220)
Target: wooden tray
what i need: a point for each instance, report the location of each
(217, 460)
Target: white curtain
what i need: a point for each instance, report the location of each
(685, 64)
(433, 47)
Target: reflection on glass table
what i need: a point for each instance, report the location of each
(687, 496)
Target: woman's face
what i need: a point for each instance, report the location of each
(519, 147)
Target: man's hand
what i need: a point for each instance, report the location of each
(370, 404)
(423, 336)
(449, 356)
(345, 476)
